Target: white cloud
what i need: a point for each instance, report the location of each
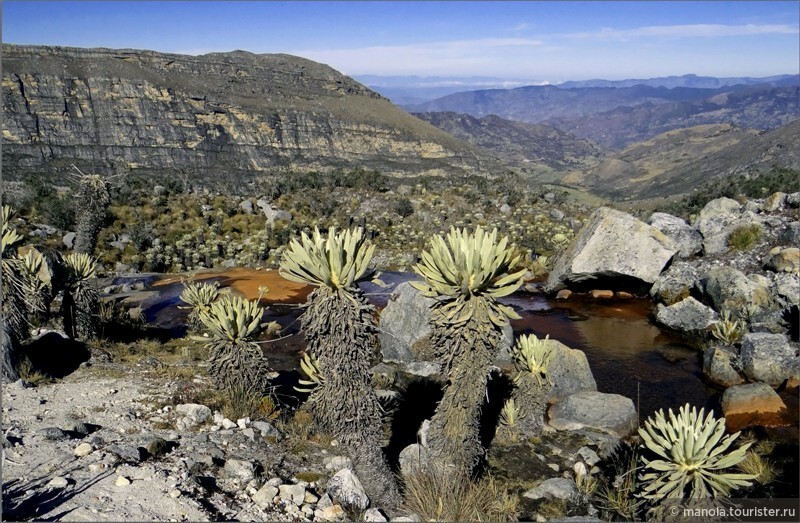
(433, 58)
(688, 31)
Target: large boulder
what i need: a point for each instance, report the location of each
(718, 367)
(769, 358)
(729, 288)
(404, 328)
(610, 413)
(612, 250)
(715, 223)
(688, 316)
(686, 237)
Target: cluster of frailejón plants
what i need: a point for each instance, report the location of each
(532, 381)
(199, 296)
(692, 456)
(465, 273)
(339, 327)
(236, 362)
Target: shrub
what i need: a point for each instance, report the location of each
(744, 237)
(403, 207)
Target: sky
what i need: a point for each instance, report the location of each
(537, 40)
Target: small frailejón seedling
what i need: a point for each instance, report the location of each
(235, 362)
(465, 273)
(80, 308)
(694, 457)
(532, 381)
(339, 326)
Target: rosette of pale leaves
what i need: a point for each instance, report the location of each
(199, 295)
(463, 266)
(337, 261)
(10, 235)
(80, 265)
(532, 355)
(232, 318)
(694, 452)
(310, 367)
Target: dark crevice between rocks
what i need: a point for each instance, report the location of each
(609, 281)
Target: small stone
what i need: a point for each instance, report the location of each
(58, 482)
(563, 294)
(588, 455)
(373, 514)
(84, 449)
(77, 428)
(52, 433)
(240, 469)
(337, 463)
(242, 423)
(157, 447)
(310, 497)
(553, 488)
(175, 493)
(346, 488)
(263, 498)
(228, 424)
(324, 501)
(127, 453)
(274, 482)
(194, 412)
(294, 493)
(601, 294)
(249, 433)
(122, 481)
(332, 513)
(267, 429)
(553, 466)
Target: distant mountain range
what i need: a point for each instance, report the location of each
(615, 117)
(412, 90)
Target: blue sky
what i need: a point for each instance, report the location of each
(536, 40)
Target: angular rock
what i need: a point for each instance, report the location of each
(606, 412)
(57, 483)
(553, 488)
(345, 488)
(787, 289)
(52, 433)
(718, 368)
(783, 260)
(715, 223)
(76, 428)
(769, 358)
(600, 294)
(791, 235)
(194, 412)
(754, 404)
(239, 469)
(84, 449)
(294, 493)
(730, 289)
(569, 371)
(373, 514)
(126, 453)
(688, 316)
(122, 481)
(157, 447)
(556, 215)
(69, 240)
(412, 458)
(686, 237)
(774, 202)
(675, 284)
(793, 200)
(612, 245)
(266, 429)
(246, 206)
(263, 498)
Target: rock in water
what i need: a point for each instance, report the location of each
(610, 413)
(688, 316)
(612, 250)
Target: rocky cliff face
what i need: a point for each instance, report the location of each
(214, 115)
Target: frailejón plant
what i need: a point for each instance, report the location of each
(532, 380)
(199, 296)
(465, 273)
(692, 456)
(339, 326)
(235, 360)
(93, 200)
(81, 305)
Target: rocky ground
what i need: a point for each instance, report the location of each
(97, 448)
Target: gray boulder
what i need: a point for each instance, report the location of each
(556, 215)
(769, 358)
(793, 199)
(715, 223)
(786, 289)
(404, 328)
(239, 469)
(791, 235)
(612, 244)
(729, 288)
(783, 260)
(688, 316)
(69, 240)
(718, 367)
(194, 412)
(676, 283)
(686, 237)
(345, 488)
(246, 206)
(610, 413)
(569, 371)
(412, 458)
(553, 488)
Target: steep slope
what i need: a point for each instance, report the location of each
(526, 146)
(678, 161)
(757, 107)
(214, 115)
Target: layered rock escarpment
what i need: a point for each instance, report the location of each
(214, 115)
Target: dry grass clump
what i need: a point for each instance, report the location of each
(763, 469)
(744, 237)
(437, 494)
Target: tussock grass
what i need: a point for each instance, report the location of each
(744, 237)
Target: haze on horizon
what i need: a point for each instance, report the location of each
(543, 42)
